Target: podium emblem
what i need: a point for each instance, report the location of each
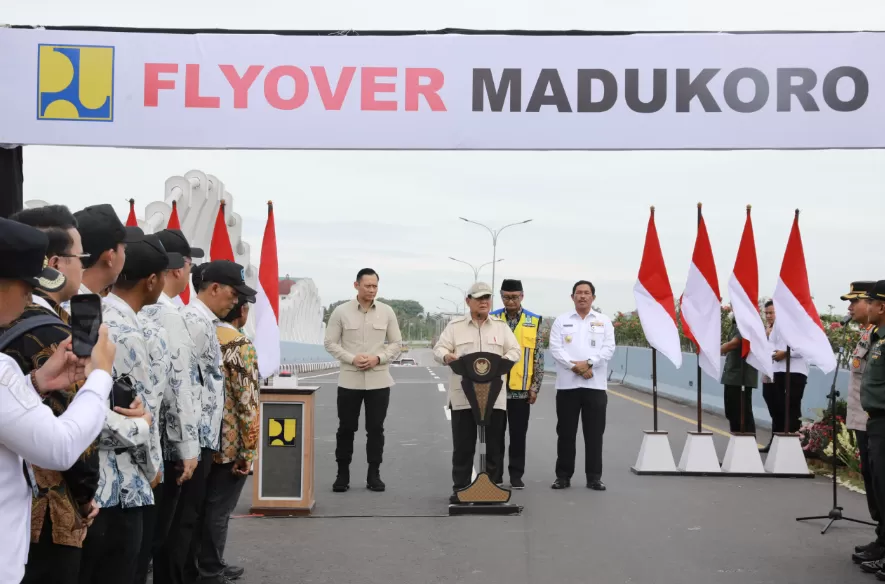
(482, 366)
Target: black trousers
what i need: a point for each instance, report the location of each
(518, 412)
(464, 432)
(876, 452)
(776, 401)
(111, 547)
(733, 409)
(588, 405)
(223, 490)
(158, 519)
(50, 563)
(174, 562)
(349, 403)
(866, 471)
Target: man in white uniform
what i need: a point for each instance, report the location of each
(29, 429)
(582, 342)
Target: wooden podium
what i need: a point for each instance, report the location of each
(283, 470)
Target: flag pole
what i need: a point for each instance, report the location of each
(787, 383)
(743, 359)
(698, 351)
(654, 385)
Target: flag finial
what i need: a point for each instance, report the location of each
(222, 202)
(270, 205)
(652, 209)
(797, 213)
(174, 204)
(749, 207)
(700, 205)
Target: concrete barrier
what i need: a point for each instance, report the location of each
(631, 366)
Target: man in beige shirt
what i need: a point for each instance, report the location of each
(471, 334)
(356, 336)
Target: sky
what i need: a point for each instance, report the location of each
(397, 212)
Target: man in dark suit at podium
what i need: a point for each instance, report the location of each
(470, 334)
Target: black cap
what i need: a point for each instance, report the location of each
(197, 275)
(227, 272)
(144, 258)
(101, 230)
(877, 292)
(858, 289)
(511, 286)
(23, 256)
(175, 242)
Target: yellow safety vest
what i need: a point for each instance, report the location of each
(526, 333)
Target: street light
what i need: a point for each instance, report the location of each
(455, 304)
(494, 233)
(462, 290)
(475, 269)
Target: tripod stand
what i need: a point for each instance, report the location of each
(835, 513)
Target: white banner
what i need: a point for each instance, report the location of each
(641, 91)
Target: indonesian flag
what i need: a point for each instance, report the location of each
(654, 298)
(220, 248)
(797, 319)
(701, 304)
(174, 223)
(267, 302)
(131, 221)
(743, 288)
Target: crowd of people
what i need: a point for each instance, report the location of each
(95, 489)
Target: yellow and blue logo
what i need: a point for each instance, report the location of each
(281, 432)
(75, 82)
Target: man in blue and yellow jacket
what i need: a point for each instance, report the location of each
(523, 381)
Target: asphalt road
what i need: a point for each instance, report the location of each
(643, 530)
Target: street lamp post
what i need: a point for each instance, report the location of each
(462, 290)
(475, 269)
(494, 233)
(455, 304)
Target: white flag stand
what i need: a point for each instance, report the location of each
(786, 456)
(699, 454)
(655, 456)
(742, 456)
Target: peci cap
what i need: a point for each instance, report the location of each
(229, 273)
(144, 258)
(479, 289)
(23, 253)
(175, 242)
(876, 292)
(511, 286)
(101, 230)
(858, 289)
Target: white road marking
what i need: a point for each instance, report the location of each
(441, 387)
(321, 375)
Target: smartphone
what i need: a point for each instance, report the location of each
(85, 322)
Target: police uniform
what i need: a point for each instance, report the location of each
(856, 420)
(463, 336)
(872, 399)
(525, 377)
(29, 429)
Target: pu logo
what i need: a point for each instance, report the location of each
(281, 432)
(75, 83)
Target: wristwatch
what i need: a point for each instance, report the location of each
(589, 363)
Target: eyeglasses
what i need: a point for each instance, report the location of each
(510, 298)
(80, 256)
(485, 298)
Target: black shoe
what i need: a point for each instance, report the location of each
(516, 483)
(596, 485)
(374, 482)
(234, 572)
(872, 567)
(454, 499)
(880, 575)
(863, 548)
(561, 484)
(342, 481)
(873, 554)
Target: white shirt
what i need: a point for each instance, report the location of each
(181, 398)
(201, 323)
(575, 339)
(798, 364)
(29, 429)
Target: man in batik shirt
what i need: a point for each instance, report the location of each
(239, 440)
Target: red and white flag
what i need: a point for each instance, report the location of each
(798, 322)
(743, 289)
(701, 304)
(175, 223)
(220, 248)
(654, 299)
(267, 302)
(131, 220)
